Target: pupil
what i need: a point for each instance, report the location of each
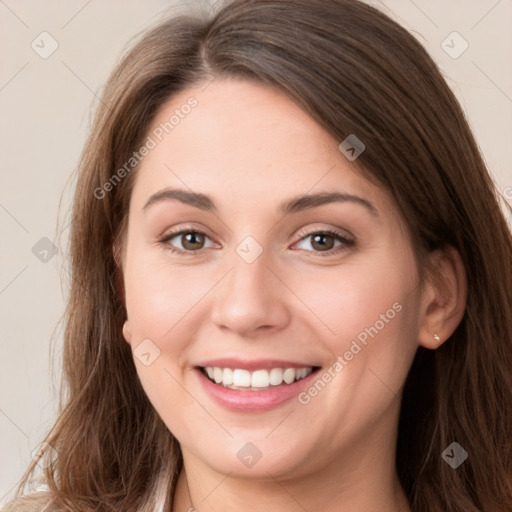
(321, 239)
(192, 238)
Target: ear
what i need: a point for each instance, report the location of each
(127, 332)
(119, 284)
(444, 297)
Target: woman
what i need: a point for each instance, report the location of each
(292, 281)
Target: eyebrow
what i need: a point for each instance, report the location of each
(293, 205)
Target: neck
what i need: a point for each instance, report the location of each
(281, 496)
(362, 479)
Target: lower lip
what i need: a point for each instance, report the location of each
(253, 401)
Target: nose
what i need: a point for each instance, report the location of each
(251, 300)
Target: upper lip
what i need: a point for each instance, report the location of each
(253, 364)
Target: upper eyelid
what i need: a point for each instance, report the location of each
(342, 233)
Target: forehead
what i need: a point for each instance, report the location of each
(244, 143)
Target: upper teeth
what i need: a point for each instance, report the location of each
(229, 377)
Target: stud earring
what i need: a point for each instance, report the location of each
(436, 337)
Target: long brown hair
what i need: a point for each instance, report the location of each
(355, 71)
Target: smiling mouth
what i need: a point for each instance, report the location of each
(258, 380)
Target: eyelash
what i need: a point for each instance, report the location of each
(347, 243)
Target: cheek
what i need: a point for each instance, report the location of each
(160, 302)
(373, 314)
(161, 297)
(367, 314)
(352, 298)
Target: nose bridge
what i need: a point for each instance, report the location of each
(249, 266)
(250, 296)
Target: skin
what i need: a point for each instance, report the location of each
(250, 148)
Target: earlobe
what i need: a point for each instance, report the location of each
(444, 298)
(127, 333)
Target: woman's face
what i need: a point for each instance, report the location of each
(269, 287)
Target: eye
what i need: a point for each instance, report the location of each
(324, 242)
(191, 241)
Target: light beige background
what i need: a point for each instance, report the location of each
(45, 106)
